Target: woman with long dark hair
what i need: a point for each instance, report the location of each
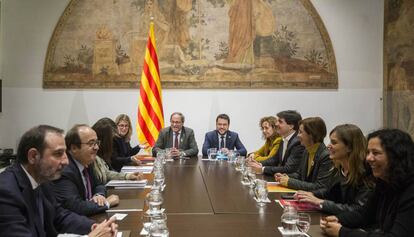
(390, 210)
(352, 182)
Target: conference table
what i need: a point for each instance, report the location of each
(206, 198)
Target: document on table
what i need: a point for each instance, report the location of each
(128, 205)
(275, 187)
(127, 184)
(133, 169)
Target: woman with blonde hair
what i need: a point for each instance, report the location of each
(123, 153)
(353, 182)
(269, 149)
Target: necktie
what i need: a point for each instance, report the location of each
(222, 142)
(39, 203)
(176, 140)
(88, 193)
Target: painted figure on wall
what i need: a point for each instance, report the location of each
(200, 44)
(399, 65)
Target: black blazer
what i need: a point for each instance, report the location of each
(18, 210)
(320, 174)
(70, 191)
(291, 162)
(121, 153)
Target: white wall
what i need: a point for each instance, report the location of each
(355, 28)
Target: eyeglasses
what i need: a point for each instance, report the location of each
(92, 143)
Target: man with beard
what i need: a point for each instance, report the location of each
(222, 138)
(27, 204)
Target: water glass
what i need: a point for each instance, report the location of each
(289, 220)
(146, 222)
(154, 201)
(233, 155)
(260, 191)
(159, 179)
(240, 163)
(159, 229)
(303, 223)
(245, 176)
(212, 153)
(252, 178)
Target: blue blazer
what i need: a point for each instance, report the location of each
(70, 191)
(232, 142)
(18, 210)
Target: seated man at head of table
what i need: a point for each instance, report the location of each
(290, 154)
(180, 139)
(222, 138)
(78, 189)
(27, 204)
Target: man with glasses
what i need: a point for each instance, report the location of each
(78, 189)
(180, 139)
(27, 204)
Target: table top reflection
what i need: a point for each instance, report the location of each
(206, 198)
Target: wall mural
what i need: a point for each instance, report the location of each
(399, 65)
(200, 43)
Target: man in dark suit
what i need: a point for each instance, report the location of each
(180, 139)
(290, 153)
(222, 138)
(78, 189)
(27, 203)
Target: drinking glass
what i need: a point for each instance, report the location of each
(252, 178)
(154, 201)
(233, 156)
(159, 179)
(159, 229)
(245, 176)
(303, 223)
(212, 153)
(146, 222)
(289, 220)
(261, 192)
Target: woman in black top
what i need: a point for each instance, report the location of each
(314, 170)
(123, 153)
(390, 211)
(352, 184)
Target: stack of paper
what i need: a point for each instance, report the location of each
(134, 169)
(127, 184)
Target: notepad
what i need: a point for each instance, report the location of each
(127, 183)
(134, 169)
(275, 187)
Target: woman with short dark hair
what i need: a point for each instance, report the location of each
(314, 170)
(390, 210)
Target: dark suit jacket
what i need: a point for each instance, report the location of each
(121, 153)
(18, 209)
(232, 141)
(70, 191)
(187, 141)
(291, 162)
(320, 174)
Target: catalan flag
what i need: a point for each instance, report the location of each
(150, 112)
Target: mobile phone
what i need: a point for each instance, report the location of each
(288, 196)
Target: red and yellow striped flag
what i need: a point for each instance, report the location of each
(150, 112)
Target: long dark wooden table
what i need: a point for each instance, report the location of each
(206, 198)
